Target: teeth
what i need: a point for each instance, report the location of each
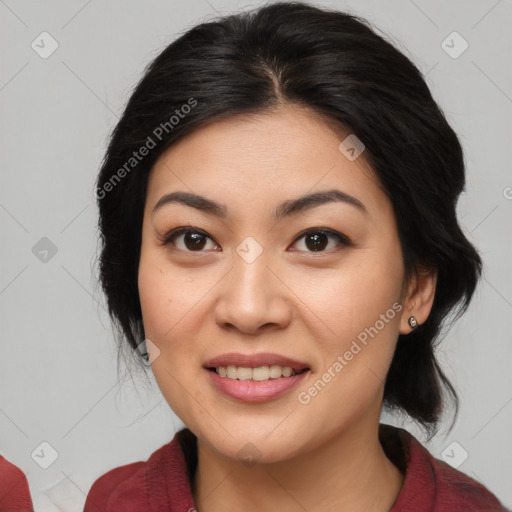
(275, 371)
(260, 373)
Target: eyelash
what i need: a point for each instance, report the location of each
(343, 240)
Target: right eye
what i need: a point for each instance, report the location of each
(188, 239)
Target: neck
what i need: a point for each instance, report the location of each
(349, 472)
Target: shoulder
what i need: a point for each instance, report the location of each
(458, 491)
(125, 487)
(432, 484)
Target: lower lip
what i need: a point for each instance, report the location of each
(255, 391)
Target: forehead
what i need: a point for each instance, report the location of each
(263, 159)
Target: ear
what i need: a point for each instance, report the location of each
(419, 297)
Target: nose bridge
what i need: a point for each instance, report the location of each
(252, 296)
(251, 279)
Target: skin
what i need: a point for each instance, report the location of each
(324, 455)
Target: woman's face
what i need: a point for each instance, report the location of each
(319, 282)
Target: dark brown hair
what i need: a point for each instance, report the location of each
(337, 65)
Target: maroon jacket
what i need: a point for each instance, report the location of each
(14, 491)
(162, 483)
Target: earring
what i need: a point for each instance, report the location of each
(413, 322)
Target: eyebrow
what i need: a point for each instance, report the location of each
(285, 209)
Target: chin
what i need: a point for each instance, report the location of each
(255, 443)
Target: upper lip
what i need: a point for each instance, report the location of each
(254, 360)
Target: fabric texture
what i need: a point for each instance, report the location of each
(14, 490)
(163, 482)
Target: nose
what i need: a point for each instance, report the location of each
(253, 298)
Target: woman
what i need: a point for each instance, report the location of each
(278, 225)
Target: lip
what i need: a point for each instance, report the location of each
(255, 360)
(255, 391)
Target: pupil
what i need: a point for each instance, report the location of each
(194, 241)
(319, 241)
(315, 242)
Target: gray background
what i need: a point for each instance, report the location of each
(58, 376)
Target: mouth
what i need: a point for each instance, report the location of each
(257, 367)
(258, 374)
(257, 377)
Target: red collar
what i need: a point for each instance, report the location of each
(429, 485)
(164, 481)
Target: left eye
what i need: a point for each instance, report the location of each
(317, 240)
(313, 240)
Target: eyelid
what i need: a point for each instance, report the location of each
(343, 239)
(167, 237)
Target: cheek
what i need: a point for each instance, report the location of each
(166, 296)
(359, 308)
(175, 305)
(156, 298)
(347, 300)
(169, 303)
(360, 312)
